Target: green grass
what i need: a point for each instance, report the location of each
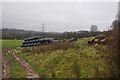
(11, 43)
(61, 63)
(16, 70)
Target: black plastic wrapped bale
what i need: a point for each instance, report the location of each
(35, 41)
(32, 38)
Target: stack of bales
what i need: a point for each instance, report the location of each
(100, 39)
(35, 41)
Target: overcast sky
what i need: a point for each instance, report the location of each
(58, 16)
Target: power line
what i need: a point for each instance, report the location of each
(43, 28)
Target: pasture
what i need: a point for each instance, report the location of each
(11, 43)
(76, 60)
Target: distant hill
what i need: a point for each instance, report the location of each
(21, 34)
(15, 33)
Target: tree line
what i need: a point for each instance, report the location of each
(21, 34)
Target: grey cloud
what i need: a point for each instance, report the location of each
(61, 16)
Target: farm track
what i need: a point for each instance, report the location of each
(5, 69)
(29, 71)
(5, 65)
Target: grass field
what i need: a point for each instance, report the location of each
(16, 70)
(84, 61)
(81, 60)
(11, 43)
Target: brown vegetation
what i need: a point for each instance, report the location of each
(115, 44)
(49, 47)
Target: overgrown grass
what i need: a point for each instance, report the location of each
(81, 62)
(16, 70)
